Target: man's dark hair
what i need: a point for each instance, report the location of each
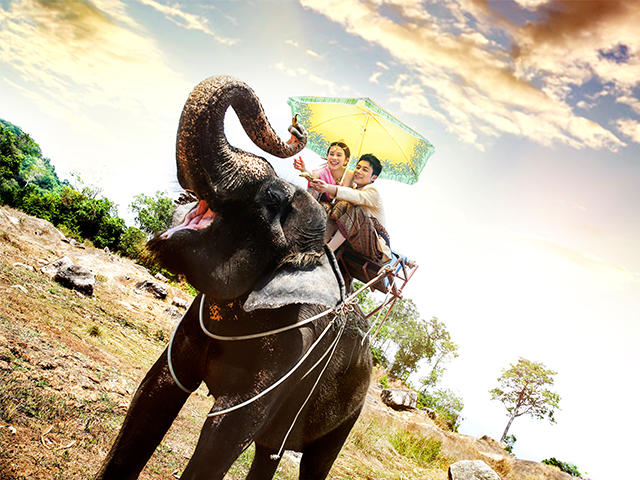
(376, 166)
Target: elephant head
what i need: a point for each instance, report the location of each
(247, 222)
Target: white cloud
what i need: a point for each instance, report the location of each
(630, 100)
(175, 14)
(630, 128)
(327, 87)
(374, 77)
(312, 53)
(477, 85)
(382, 65)
(531, 4)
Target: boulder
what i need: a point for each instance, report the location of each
(77, 278)
(51, 269)
(471, 470)
(397, 398)
(161, 277)
(25, 266)
(180, 302)
(158, 291)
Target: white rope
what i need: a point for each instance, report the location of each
(282, 379)
(347, 301)
(259, 334)
(386, 298)
(332, 348)
(173, 373)
(381, 274)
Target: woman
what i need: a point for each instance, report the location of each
(337, 158)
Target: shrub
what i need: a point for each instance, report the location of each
(384, 381)
(510, 441)
(420, 449)
(378, 356)
(564, 466)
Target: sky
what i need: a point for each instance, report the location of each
(524, 221)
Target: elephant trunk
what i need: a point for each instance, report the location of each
(207, 164)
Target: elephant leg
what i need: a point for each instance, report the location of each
(223, 439)
(155, 405)
(263, 466)
(319, 455)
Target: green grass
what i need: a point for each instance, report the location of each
(419, 448)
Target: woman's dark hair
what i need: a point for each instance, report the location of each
(342, 145)
(376, 166)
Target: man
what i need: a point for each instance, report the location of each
(357, 217)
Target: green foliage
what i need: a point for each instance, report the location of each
(422, 450)
(378, 356)
(446, 404)
(564, 466)
(384, 381)
(153, 214)
(132, 242)
(523, 391)
(510, 441)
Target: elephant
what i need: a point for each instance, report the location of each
(269, 332)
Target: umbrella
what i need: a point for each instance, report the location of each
(365, 128)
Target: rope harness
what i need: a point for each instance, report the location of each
(339, 312)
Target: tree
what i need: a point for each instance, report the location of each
(153, 214)
(523, 392)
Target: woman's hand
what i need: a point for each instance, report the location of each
(298, 164)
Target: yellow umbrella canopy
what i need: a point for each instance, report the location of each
(365, 128)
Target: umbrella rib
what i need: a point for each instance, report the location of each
(394, 141)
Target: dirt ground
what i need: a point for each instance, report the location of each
(69, 365)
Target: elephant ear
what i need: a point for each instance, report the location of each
(321, 285)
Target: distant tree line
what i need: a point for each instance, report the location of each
(28, 181)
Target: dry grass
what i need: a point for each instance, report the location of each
(69, 365)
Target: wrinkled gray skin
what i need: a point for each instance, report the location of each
(262, 264)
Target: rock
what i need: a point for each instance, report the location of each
(77, 278)
(430, 412)
(173, 312)
(51, 269)
(20, 287)
(398, 399)
(471, 470)
(26, 267)
(180, 302)
(161, 277)
(158, 291)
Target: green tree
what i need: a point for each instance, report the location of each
(523, 391)
(153, 214)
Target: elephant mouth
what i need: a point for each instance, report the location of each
(198, 218)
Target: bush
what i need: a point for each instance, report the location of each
(447, 405)
(422, 450)
(132, 242)
(384, 381)
(510, 441)
(564, 466)
(378, 356)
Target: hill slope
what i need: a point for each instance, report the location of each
(69, 365)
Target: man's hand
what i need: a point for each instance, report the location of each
(323, 187)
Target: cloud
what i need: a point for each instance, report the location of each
(78, 56)
(374, 77)
(630, 128)
(187, 20)
(312, 53)
(478, 88)
(329, 87)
